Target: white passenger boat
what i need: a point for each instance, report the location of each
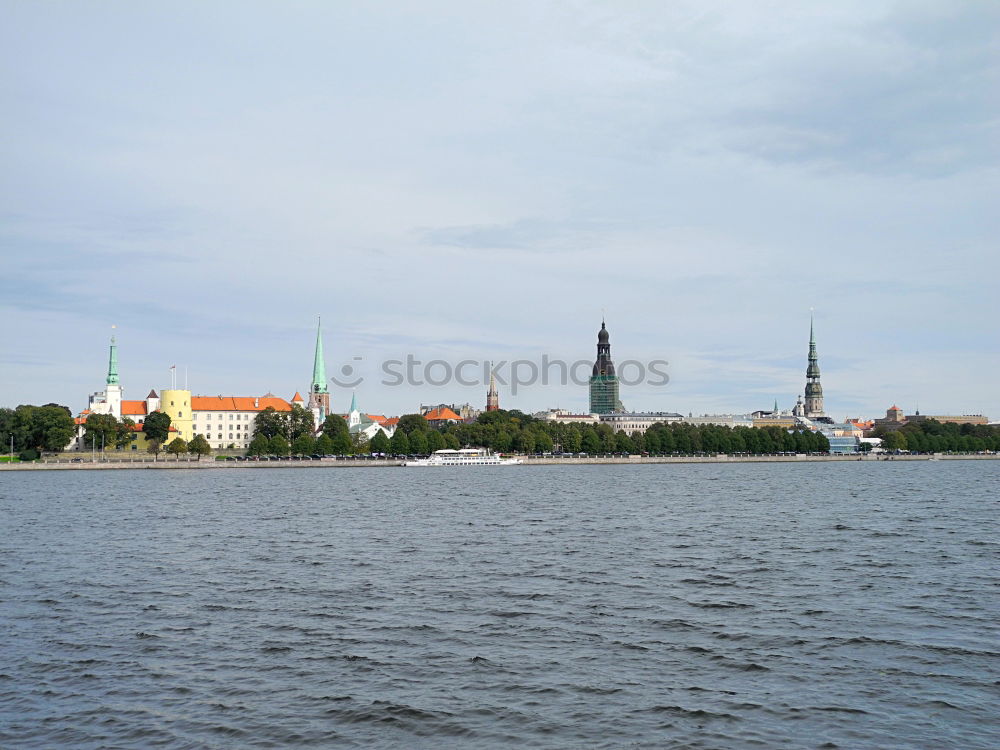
(463, 457)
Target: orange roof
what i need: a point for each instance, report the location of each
(391, 421)
(438, 415)
(238, 403)
(133, 407)
(85, 411)
(380, 418)
(297, 397)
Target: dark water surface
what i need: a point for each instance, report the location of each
(847, 605)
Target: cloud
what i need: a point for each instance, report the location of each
(483, 179)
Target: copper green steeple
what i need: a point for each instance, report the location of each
(319, 366)
(113, 364)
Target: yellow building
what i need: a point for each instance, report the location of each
(176, 404)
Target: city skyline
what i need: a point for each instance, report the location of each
(327, 397)
(479, 182)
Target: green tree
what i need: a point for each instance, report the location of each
(126, 433)
(299, 422)
(451, 442)
(259, 446)
(270, 423)
(199, 447)
(435, 441)
(333, 426)
(157, 427)
(418, 442)
(822, 444)
(623, 443)
(45, 428)
(379, 443)
(543, 442)
(410, 423)
(524, 441)
(278, 445)
(342, 444)
(572, 441)
(399, 444)
(590, 443)
(13, 424)
(324, 445)
(303, 445)
(177, 446)
(100, 431)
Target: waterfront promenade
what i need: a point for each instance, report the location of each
(87, 464)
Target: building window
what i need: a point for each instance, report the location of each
(230, 436)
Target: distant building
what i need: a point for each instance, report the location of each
(230, 420)
(466, 412)
(603, 381)
(442, 416)
(362, 426)
(722, 420)
(637, 422)
(894, 419)
(565, 417)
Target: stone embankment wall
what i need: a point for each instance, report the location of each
(70, 465)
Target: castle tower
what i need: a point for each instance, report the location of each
(603, 380)
(492, 397)
(319, 394)
(176, 403)
(814, 391)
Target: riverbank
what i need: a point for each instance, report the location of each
(80, 464)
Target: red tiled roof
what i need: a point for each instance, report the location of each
(238, 403)
(391, 421)
(297, 397)
(133, 407)
(438, 415)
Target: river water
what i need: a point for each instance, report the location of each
(846, 605)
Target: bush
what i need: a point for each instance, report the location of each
(28, 455)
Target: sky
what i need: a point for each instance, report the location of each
(484, 181)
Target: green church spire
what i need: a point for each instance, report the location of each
(354, 403)
(113, 364)
(319, 366)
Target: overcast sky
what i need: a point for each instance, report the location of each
(480, 180)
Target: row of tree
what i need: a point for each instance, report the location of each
(931, 436)
(504, 431)
(28, 430)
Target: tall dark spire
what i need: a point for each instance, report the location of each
(814, 390)
(492, 397)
